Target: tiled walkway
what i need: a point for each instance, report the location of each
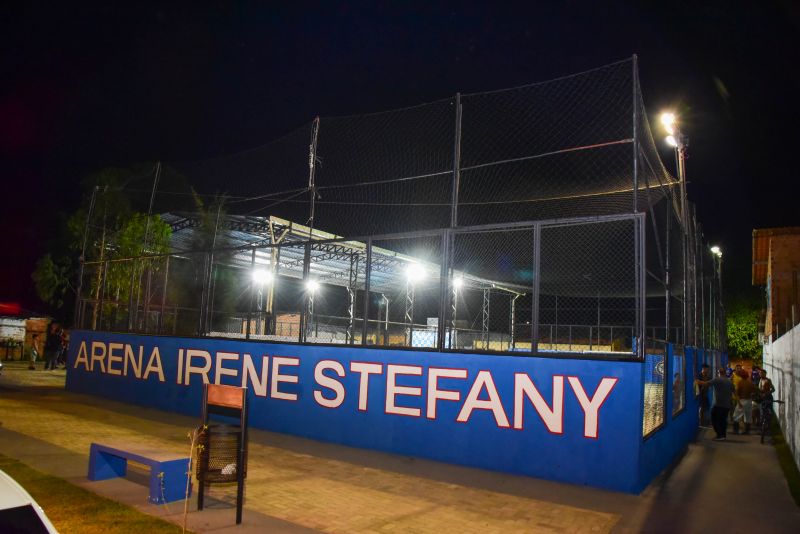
(298, 485)
(318, 492)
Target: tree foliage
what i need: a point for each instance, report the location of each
(129, 242)
(51, 280)
(742, 330)
(115, 230)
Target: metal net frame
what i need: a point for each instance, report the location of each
(538, 219)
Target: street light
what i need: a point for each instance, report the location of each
(458, 283)
(312, 286)
(262, 277)
(679, 142)
(668, 119)
(415, 272)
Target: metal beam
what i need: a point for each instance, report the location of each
(485, 318)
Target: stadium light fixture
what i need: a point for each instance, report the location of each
(312, 286)
(262, 277)
(671, 141)
(415, 272)
(458, 282)
(668, 120)
(716, 251)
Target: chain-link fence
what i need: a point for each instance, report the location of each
(538, 219)
(547, 286)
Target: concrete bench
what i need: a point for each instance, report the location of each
(167, 470)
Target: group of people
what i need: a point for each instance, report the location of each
(55, 347)
(748, 394)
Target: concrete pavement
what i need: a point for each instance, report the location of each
(299, 485)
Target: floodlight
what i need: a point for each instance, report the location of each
(415, 272)
(716, 251)
(671, 141)
(668, 120)
(312, 286)
(458, 282)
(262, 277)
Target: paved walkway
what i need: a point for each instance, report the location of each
(298, 485)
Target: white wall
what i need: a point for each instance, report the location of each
(12, 328)
(782, 362)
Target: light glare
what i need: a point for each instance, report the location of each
(262, 277)
(415, 272)
(671, 141)
(312, 286)
(715, 250)
(458, 282)
(668, 120)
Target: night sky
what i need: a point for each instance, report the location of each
(83, 87)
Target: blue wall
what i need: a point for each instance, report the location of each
(665, 446)
(608, 460)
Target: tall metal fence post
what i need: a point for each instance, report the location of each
(104, 265)
(456, 164)
(147, 289)
(641, 293)
(668, 273)
(537, 275)
(163, 296)
(636, 100)
(367, 277)
(444, 294)
(252, 295)
(131, 312)
(78, 312)
(201, 331)
(304, 308)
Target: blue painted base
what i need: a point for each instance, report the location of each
(568, 420)
(167, 482)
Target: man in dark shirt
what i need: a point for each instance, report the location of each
(723, 392)
(702, 394)
(51, 346)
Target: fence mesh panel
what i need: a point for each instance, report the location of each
(654, 392)
(588, 287)
(459, 187)
(405, 276)
(490, 290)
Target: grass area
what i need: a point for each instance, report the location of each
(74, 509)
(786, 460)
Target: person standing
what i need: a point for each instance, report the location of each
(743, 413)
(35, 348)
(701, 392)
(723, 393)
(51, 346)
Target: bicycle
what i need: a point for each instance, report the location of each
(766, 416)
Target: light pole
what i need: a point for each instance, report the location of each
(717, 252)
(312, 286)
(458, 283)
(261, 278)
(414, 274)
(678, 141)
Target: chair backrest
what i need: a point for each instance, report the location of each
(225, 396)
